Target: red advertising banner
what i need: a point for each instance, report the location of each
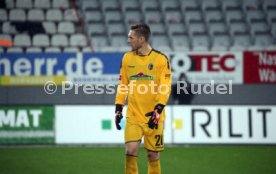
(259, 67)
(220, 67)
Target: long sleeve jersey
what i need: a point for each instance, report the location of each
(145, 81)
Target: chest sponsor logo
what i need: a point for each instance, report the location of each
(141, 76)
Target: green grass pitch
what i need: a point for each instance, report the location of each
(110, 160)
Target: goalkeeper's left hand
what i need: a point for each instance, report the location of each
(154, 116)
(118, 116)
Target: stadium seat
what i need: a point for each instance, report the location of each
(124, 48)
(237, 48)
(131, 5)
(248, 5)
(238, 28)
(218, 48)
(43, 4)
(17, 15)
(217, 28)
(50, 27)
(264, 40)
(66, 28)
(99, 41)
(52, 50)
(153, 17)
(174, 29)
(271, 16)
(231, 5)
(273, 30)
(269, 5)
(15, 50)
(70, 15)
(164, 48)
(271, 47)
(87, 50)
(10, 4)
(210, 5)
(197, 28)
(133, 17)
(54, 15)
(213, 16)
(113, 17)
(116, 29)
(22, 40)
(36, 15)
(78, 40)
(255, 48)
(200, 48)
(62, 4)
(180, 42)
(172, 5)
(33, 50)
(96, 29)
(59, 40)
(181, 48)
(193, 16)
(6, 37)
(93, 16)
(7, 27)
(148, 6)
(234, 16)
(158, 29)
(71, 50)
(255, 15)
(222, 40)
(3, 15)
(107, 49)
(108, 5)
(189, 5)
(200, 41)
(259, 27)
(160, 42)
(118, 41)
(90, 5)
(172, 17)
(242, 40)
(24, 4)
(41, 40)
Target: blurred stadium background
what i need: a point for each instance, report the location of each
(83, 41)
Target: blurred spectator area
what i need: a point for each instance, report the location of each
(102, 25)
(42, 26)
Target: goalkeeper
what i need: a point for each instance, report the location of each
(145, 79)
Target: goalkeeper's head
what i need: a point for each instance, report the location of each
(142, 30)
(138, 36)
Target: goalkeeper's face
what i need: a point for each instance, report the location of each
(134, 40)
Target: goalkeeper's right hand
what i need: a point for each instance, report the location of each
(118, 116)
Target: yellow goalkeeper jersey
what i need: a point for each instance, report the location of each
(145, 81)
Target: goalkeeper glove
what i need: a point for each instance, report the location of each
(118, 116)
(155, 116)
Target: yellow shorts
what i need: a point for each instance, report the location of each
(153, 138)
